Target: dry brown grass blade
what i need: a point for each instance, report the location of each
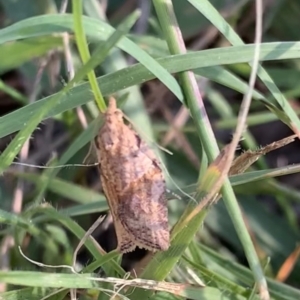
(239, 165)
(121, 283)
(246, 159)
(288, 266)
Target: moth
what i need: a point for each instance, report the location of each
(134, 185)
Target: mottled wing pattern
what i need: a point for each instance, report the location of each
(144, 211)
(125, 242)
(134, 185)
(120, 151)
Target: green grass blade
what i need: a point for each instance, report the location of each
(17, 53)
(77, 231)
(77, 210)
(207, 9)
(278, 290)
(16, 220)
(264, 174)
(14, 147)
(64, 188)
(84, 281)
(253, 176)
(99, 54)
(85, 53)
(12, 93)
(95, 30)
(138, 74)
(163, 262)
(102, 50)
(26, 293)
(17, 143)
(85, 209)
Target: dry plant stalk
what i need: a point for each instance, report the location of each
(239, 165)
(288, 265)
(249, 157)
(120, 283)
(134, 185)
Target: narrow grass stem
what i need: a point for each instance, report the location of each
(84, 52)
(173, 36)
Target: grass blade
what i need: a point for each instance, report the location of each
(207, 9)
(138, 74)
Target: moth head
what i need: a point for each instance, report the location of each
(113, 111)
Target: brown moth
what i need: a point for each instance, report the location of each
(134, 185)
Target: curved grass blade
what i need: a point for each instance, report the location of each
(19, 52)
(279, 290)
(84, 52)
(95, 30)
(289, 116)
(101, 51)
(78, 232)
(137, 74)
(14, 147)
(98, 56)
(263, 174)
(13, 93)
(86, 281)
(31, 293)
(64, 188)
(78, 210)
(16, 220)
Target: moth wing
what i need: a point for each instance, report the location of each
(125, 242)
(144, 212)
